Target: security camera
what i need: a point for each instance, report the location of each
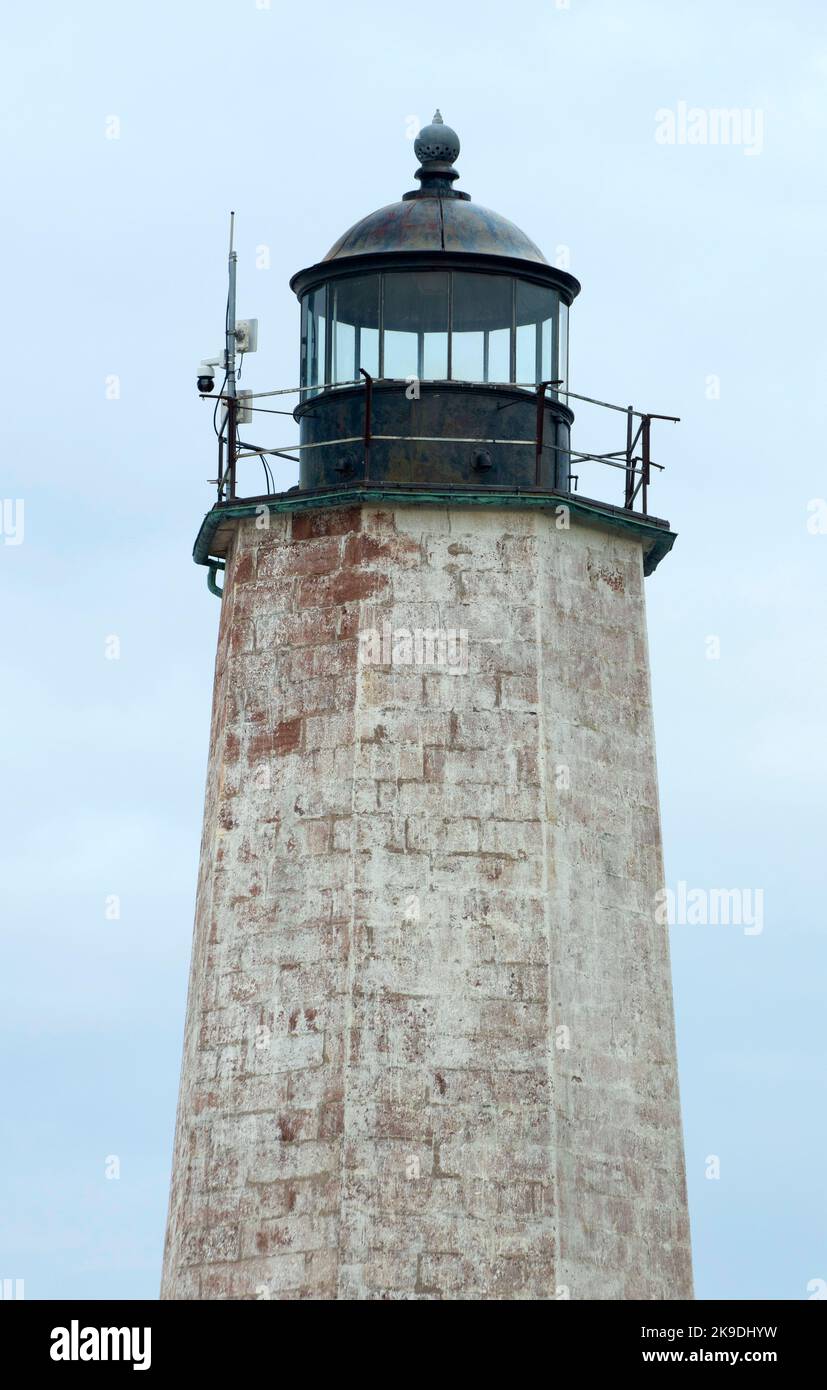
(206, 377)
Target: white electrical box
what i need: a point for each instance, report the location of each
(244, 409)
(246, 335)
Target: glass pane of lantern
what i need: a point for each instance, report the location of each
(435, 356)
(481, 327)
(415, 318)
(563, 354)
(526, 354)
(303, 377)
(401, 354)
(467, 356)
(499, 355)
(355, 317)
(536, 315)
(367, 355)
(320, 374)
(344, 352)
(314, 339)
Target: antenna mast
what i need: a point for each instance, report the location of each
(239, 336)
(229, 362)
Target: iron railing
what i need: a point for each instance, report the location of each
(636, 466)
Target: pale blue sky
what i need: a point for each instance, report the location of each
(695, 260)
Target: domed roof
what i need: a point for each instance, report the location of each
(436, 224)
(436, 217)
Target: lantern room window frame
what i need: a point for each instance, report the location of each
(369, 346)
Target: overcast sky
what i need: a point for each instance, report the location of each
(129, 132)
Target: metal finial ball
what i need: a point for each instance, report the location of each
(437, 141)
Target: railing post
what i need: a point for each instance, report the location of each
(368, 413)
(645, 427)
(630, 467)
(538, 437)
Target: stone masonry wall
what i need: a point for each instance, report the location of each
(429, 1048)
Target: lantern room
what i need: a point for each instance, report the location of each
(434, 345)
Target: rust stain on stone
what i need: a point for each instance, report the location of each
(610, 575)
(287, 736)
(335, 521)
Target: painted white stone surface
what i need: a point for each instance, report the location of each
(429, 1044)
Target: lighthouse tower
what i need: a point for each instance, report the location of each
(429, 1047)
